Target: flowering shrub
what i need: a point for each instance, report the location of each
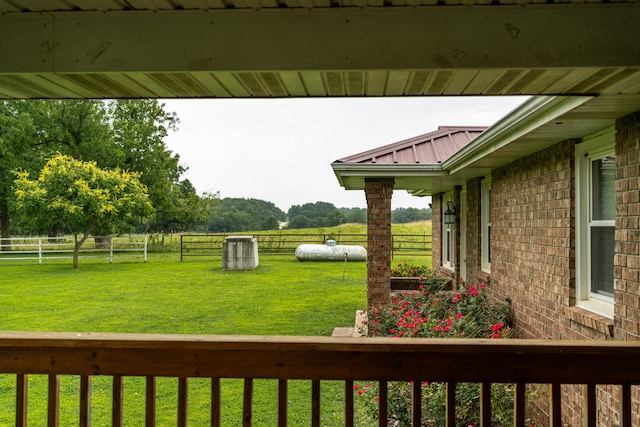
(410, 270)
(428, 279)
(465, 312)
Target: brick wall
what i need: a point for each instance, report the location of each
(436, 231)
(473, 232)
(533, 262)
(532, 236)
(378, 192)
(627, 260)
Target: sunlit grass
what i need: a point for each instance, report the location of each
(281, 297)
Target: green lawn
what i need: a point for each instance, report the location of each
(281, 297)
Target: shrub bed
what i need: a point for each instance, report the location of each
(434, 313)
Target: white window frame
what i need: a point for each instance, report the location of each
(448, 236)
(590, 149)
(485, 219)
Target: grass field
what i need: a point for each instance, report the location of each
(281, 297)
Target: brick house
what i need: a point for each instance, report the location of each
(547, 211)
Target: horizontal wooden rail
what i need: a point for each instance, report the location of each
(277, 243)
(314, 358)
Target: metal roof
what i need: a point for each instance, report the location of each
(429, 148)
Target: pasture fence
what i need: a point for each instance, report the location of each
(43, 248)
(279, 243)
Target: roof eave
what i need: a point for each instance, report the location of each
(531, 115)
(351, 176)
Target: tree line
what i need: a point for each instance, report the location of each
(233, 214)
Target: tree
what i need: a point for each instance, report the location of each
(16, 150)
(139, 128)
(318, 214)
(86, 199)
(239, 214)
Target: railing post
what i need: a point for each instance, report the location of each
(111, 250)
(85, 401)
(181, 241)
(39, 251)
(22, 391)
(53, 397)
(145, 247)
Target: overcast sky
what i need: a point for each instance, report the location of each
(281, 150)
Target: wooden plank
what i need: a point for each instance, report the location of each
(625, 405)
(53, 401)
(117, 411)
(555, 405)
(183, 401)
(22, 396)
(85, 401)
(416, 404)
(519, 404)
(348, 404)
(150, 402)
(215, 402)
(589, 405)
(283, 400)
(315, 403)
(485, 404)
(383, 409)
(247, 406)
(451, 404)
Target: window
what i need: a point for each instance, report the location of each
(447, 236)
(485, 216)
(595, 220)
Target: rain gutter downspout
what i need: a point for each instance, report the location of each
(534, 113)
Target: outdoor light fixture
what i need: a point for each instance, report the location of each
(449, 214)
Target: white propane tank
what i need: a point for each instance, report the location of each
(330, 252)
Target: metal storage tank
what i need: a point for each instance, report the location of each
(330, 252)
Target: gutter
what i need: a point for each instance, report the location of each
(372, 170)
(531, 115)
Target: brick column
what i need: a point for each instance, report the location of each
(378, 192)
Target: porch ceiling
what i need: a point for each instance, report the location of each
(316, 48)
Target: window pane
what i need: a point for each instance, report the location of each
(602, 250)
(603, 191)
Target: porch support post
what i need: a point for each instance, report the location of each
(378, 192)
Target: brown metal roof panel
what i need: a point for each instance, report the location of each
(430, 148)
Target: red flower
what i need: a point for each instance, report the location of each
(473, 291)
(497, 327)
(459, 316)
(483, 285)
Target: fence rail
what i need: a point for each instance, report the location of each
(199, 245)
(42, 248)
(317, 359)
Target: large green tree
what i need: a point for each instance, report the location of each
(140, 127)
(83, 197)
(126, 134)
(17, 149)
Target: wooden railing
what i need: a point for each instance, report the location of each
(315, 358)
